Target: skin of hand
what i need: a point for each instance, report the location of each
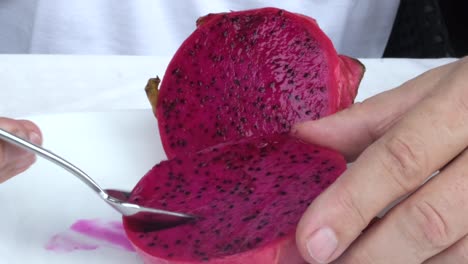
(396, 140)
(14, 160)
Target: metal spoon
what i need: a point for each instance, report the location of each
(150, 217)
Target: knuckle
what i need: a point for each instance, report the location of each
(358, 257)
(404, 160)
(353, 212)
(461, 102)
(464, 60)
(461, 250)
(430, 229)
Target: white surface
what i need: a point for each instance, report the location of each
(37, 84)
(359, 28)
(116, 147)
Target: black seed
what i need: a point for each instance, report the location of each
(250, 217)
(228, 247)
(152, 244)
(287, 212)
(283, 193)
(176, 71)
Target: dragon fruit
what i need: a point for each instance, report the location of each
(246, 73)
(249, 195)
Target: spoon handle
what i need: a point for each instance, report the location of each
(53, 158)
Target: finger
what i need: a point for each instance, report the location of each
(352, 130)
(12, 158)
(16, 168)
(455, 254)
(427, 223)
(34, 133)
(426, 138)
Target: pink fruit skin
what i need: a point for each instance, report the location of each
(283, 252)
(250, 195)
(254, 72)
(349, 77)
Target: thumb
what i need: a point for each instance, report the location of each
(352, 130)
(14, 160)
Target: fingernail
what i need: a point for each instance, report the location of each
(321, 244)
(35, 138)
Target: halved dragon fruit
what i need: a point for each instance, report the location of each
(254, 72)
(249, 194)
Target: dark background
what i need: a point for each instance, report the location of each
(429, 29)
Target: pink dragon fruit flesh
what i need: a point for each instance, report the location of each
(249, 195)
(254, 72)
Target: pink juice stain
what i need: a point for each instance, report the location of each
(90, 235)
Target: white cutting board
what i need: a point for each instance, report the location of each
(115, 148)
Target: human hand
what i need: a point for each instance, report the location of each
(397, 139)
(14, 160)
